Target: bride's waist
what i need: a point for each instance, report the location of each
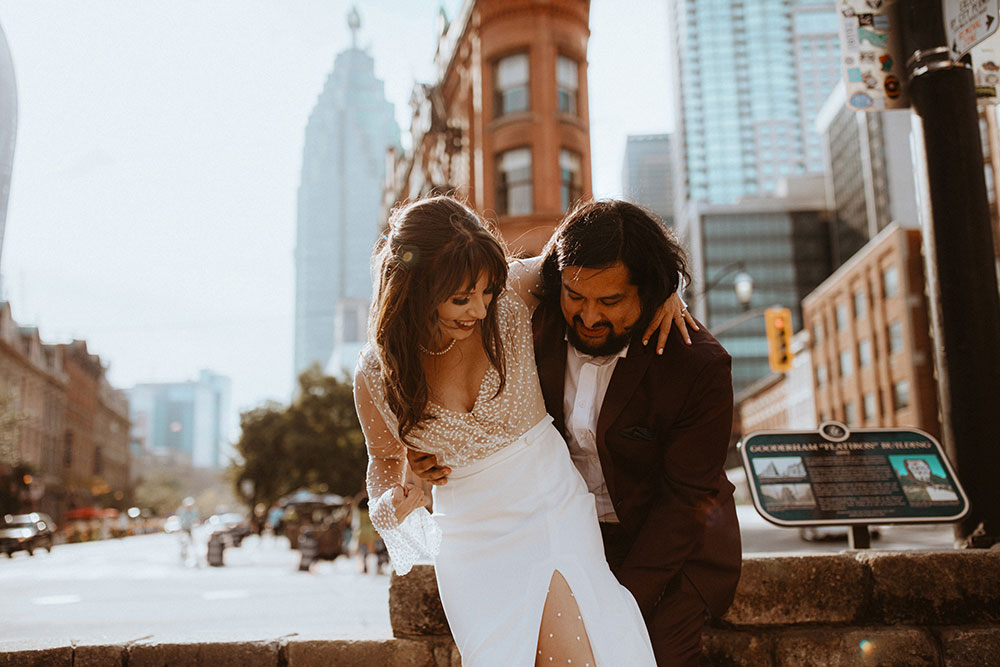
(520, 443)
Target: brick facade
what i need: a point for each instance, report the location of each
(461, 133)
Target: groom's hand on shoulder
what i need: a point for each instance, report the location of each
(425, 466)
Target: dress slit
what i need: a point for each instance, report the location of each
(562, 634)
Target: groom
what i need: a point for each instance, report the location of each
(648, 432)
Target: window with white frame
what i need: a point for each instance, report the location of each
(567, 84)
(511, 77)
(515, 193)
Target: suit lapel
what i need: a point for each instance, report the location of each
(624, 381)
(550, 357)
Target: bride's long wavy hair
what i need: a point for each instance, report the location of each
(434, 247)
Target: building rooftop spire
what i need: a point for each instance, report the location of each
(354, 23)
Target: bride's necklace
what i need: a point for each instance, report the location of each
(437, 354)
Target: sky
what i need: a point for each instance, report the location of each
(159, 146)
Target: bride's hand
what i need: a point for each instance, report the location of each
(405, 499)
(673, 311)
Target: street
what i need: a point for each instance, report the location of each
(137, 587)
(122, 590)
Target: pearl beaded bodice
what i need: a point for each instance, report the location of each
(458, 438)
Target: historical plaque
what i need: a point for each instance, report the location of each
(836, 475)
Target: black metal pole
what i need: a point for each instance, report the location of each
(859, 537)
(961, 270)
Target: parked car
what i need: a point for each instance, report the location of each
(234, 524)
(26, 532)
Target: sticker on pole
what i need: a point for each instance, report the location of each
(873, 69)
(968, 22)
(841, 476)
(986, 68)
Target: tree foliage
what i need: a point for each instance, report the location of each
(314, 443)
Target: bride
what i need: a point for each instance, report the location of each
(449, 369)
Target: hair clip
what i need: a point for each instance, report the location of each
(408, 256)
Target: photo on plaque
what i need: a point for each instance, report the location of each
(923, 479)
(787, 496)
(776, 468)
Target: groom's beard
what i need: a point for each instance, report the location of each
(614, 343)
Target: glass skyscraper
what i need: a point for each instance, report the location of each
(340, 194)
(752, 75)
(184, 419)
(647, 178)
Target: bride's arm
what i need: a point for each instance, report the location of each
(389, 500)
(396, 509)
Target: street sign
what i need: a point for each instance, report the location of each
(968, 22)
(841, 476)
(870, 52)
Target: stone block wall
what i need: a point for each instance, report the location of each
(853, 608)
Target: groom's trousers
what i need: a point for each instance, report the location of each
(676, 623)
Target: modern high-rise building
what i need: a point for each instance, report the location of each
(781, 242)
(748, 191)
(8, 130)
(751, 78)
(869, 171)
(647, 174)
(506, 125)
(340, 195)
(183, 421)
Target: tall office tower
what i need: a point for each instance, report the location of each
(185, 422)
(8, 130)
(647, 174)
(340, 194)
(751, 78)
(782, 243)
(869, 172)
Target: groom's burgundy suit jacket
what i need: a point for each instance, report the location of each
(662, 437)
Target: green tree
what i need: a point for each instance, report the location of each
(314, 443)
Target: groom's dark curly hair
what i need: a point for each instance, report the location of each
(600, 233)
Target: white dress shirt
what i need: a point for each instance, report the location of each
(586, 384)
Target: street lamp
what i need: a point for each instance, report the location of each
(743, 284)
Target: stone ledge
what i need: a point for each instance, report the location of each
(791, 590)
(284, 653)
(928, 588)
(414, 604)
(869, 588)
(966, 646)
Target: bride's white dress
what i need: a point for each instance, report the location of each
(514, 511)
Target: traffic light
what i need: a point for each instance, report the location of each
(778, 324)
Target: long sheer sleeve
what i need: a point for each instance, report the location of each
(524, 276)
(417, 537)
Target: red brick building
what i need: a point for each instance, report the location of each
(95, 447)
(872, 359)
(33, 385)
(63, 423)
(506, 125)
